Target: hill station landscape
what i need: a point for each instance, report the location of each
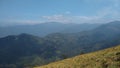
(59, 34)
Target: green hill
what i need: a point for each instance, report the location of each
(99, 38)
(108, 58)
(25, 50)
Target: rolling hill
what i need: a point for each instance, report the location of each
(19, 51)
(45, 28)
(25, 50)
(87, 41)
(108, 58)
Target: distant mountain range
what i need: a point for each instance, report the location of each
(46, 28)
(87, 41)
(24, 50)
(108, 58)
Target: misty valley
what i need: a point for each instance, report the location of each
(59, 33)
(28, 51)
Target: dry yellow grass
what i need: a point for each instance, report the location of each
(108, 58)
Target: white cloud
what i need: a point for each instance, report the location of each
(57, 18)
(103, 15)
(108, 13)
(72, 19)
(19, 22)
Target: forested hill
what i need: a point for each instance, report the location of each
(24, 50)
(87, 41)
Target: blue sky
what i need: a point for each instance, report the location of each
(65, 11)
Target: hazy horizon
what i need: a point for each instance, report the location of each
(39, 32)
(17, 12)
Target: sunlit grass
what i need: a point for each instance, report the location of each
(108, 58)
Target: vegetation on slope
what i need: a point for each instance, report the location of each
(108, 58)
(24, 50)
(87, 41)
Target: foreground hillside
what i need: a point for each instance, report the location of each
(108, 58)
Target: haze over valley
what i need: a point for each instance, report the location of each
(59, 34)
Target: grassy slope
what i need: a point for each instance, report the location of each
(108, 58)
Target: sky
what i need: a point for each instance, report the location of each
(16, 12)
